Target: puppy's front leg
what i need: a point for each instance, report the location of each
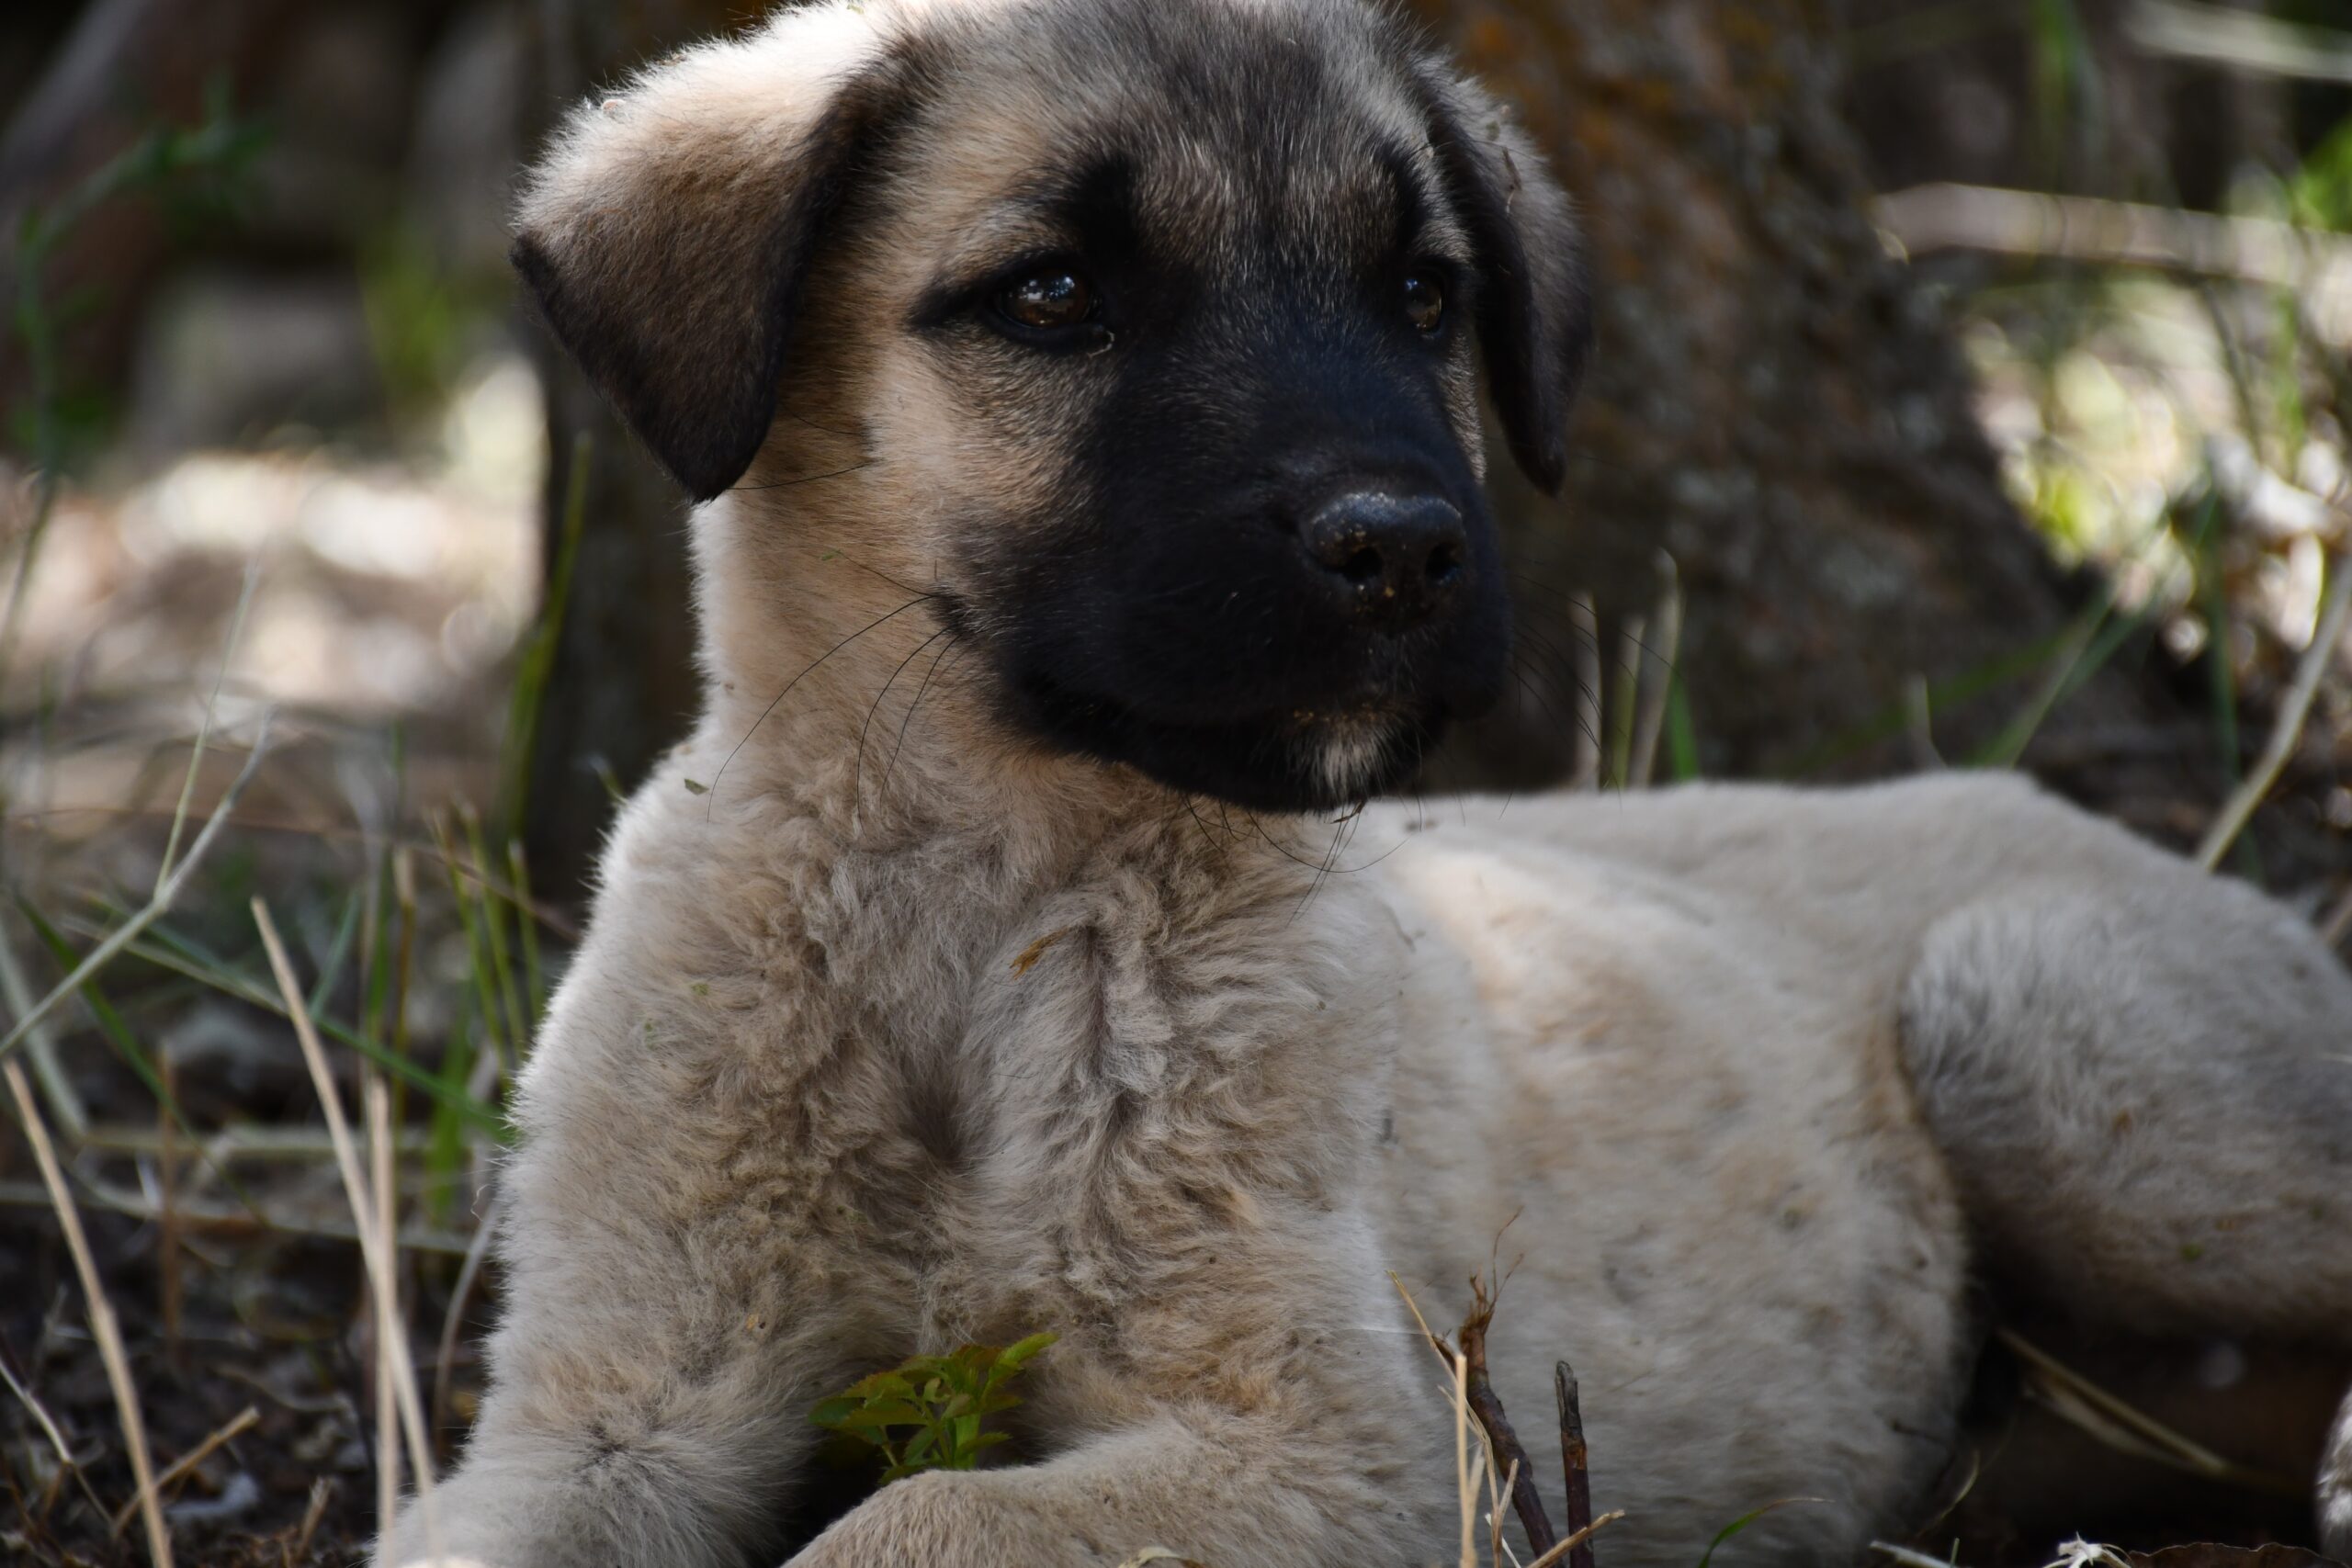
(1237, 1428)
(665, 1324)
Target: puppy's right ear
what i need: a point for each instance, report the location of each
(666, 232)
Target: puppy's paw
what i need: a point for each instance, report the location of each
(956, 1520)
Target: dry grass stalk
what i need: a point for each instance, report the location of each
(1919, 725)
(66, 1465)
(167, 1227)
(1625, 699)
(233, 1221)
(204, 729)
(103, 1326)
(1580, 1541)
(166, 891)
(453, 1321)
(40, 1049)
(375, 1248)
(1939, 217)
(388, 1420)
(2284, 735)
(2081, 1403)
(1650, 724)
(2339, 923)
(320, 1491)
(1467, 1489)
(179, 1469)
(1586, 622)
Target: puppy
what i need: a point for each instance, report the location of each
(1083, 398)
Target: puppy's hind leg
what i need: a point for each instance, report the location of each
(2145, 1096)
(2145, 1091)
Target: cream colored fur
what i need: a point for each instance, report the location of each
(892, 1033)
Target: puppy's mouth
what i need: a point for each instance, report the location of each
(1291, 758)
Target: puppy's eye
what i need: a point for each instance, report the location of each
(1424, 301)
(1047, 301)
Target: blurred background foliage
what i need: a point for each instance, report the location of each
(1972, 390)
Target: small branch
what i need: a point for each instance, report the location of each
(1574, 1461)
(2288, 729)
(1487, 1406)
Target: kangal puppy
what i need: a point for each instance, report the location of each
(1083, 399)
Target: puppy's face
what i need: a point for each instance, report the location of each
(1164, 318)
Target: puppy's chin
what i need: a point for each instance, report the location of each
(1295, 760)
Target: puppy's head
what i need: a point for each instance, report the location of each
(1152, 328)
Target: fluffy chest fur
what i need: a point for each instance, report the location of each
(963, 1085)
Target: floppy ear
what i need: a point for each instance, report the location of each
(666, 231)
(1535, 310)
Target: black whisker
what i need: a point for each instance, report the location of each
(812, 664)
(857, 769)
(808, 478)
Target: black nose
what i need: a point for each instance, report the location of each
(1397, 559)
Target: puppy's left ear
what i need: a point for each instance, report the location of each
(1534, 308)
(666, 232)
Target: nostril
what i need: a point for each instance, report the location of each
(1444, 564)
(1362, 565)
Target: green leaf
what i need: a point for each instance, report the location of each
(1745, 1520)
(1015, 1356)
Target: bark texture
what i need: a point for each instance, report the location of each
(1774, 400)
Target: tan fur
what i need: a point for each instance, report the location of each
(894, 1031)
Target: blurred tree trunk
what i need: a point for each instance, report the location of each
(1775, 403)
(624, 684)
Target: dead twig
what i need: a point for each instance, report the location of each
(1574, 1462)
(1487, 1406)
(1475, 1396)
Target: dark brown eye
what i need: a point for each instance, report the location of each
(1047, 301)
(1424, 301)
